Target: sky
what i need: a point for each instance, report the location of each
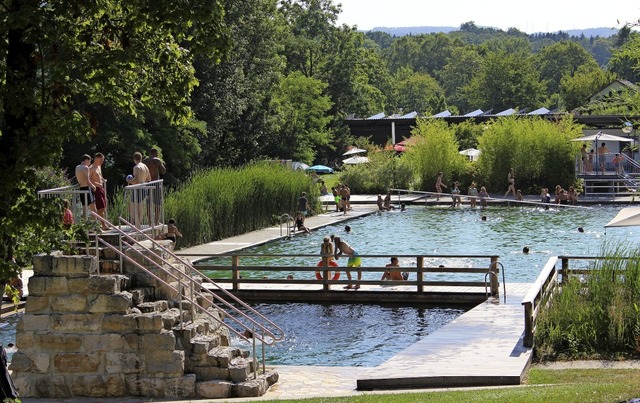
(527, 16)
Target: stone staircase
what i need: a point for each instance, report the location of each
(92, 328)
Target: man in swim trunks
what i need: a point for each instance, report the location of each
(95, 174)
(392, 273)
(84, 182)
(439, 185)
(303, 204)
(343, 248)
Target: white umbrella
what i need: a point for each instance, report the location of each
(358, 159)
(472, 153)
(627, 217)
(354, 150)
(603, 137)
(299, 165)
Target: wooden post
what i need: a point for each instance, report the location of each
(565, 269)
(420, 264)
(494, 282)
(325, 273)
(528, 324)
(235, 273)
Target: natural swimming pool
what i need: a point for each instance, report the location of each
(424, 230)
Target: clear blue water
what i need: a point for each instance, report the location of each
(369, 335)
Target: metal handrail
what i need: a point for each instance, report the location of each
(75, 194)
(504, 281)
(183, 278)
(285, 218)
(147, 203)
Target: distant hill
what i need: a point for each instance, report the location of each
(402, 31)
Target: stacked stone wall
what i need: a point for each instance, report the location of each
(89, 335)
(78, 338)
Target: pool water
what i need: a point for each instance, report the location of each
(347, 334)
(367, 335)
(446, 231)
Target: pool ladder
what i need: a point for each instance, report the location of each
(286, 219)
(492, 273)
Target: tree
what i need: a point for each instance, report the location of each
(505, 81)
(311, 25)
(625, 61)
(560, 59)
(302, 116)
(234, 96)
(575, 89)
(417, 92)
(64, 57)
(457, 73)
(435, 150)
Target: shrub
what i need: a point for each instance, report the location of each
(435, 149)
(219, 203)
(384, 171)
(539, 151)
(597, 315)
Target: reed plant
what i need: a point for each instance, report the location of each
(219, 203)
(597, 314)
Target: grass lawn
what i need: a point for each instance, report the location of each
(574, 385)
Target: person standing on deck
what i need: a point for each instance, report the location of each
(511, 180)
(155, 165)
(439, 185)
(95, 173)
(602, 156)
(303, 204)
(84, 183)
(343, 248)
(584, 158)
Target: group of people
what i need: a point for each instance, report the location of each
(562, 196)
(90, 179)
(333, 247)
(341, 196)
(474, 195)
(385, 204)
(587, 159)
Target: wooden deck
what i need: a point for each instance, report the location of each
(483, 347)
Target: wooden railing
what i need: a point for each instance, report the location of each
(539, 294)
(418, 274)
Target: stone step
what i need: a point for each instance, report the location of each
(153, 306)
(109, 266)
(142, 294)
(221, 389)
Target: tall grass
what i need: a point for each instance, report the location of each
(597, 315)
(219, 203)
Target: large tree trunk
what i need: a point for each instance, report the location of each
(18, 119)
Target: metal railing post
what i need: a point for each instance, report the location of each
(495, 283)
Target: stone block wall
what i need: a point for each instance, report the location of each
(90, 335)
(78, 337)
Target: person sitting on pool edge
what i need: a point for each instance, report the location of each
(343, 248)
(392, 274)
(299, 224)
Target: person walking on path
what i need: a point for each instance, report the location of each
(439, 185)
(343, 248)
(303, 204)
(511, 179)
